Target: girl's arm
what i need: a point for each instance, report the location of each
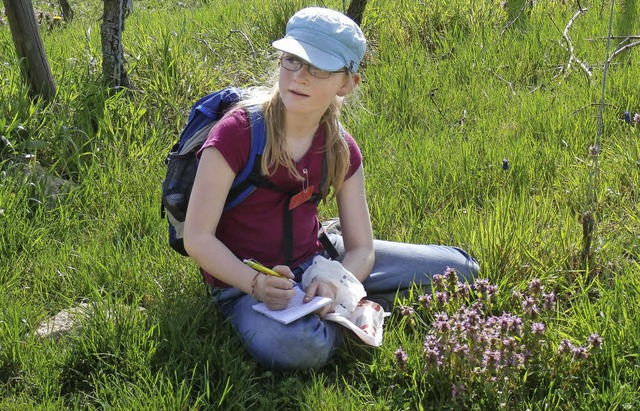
(356, 226)
(210, 189)
(357, 235)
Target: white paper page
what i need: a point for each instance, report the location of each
(296, 308)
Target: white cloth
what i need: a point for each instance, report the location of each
(366, 321)
(365, 318)
(350, 290)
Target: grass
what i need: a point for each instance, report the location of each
(450, 90)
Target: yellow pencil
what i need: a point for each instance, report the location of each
(259, 267)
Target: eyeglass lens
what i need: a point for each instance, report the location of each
(294, 64)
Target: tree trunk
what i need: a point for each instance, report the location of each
(356, 10)
(29, 48)
(111, 30)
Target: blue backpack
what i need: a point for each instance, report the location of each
(182, 163)
(182, 166)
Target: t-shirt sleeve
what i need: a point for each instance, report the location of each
(355, 159)
(231, 136)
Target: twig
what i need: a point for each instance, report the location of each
(253, 51)
(503, 79)
(614, 37)
(591, 105)
(586, 68)
(210, 48)
(433, 100)
(621, 49)
(509, 24)
(572, 56)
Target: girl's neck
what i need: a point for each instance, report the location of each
(299, 134)
(298, 127)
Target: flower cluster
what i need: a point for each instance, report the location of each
(535, 299)
(566, 347)
(484, 343)
(401, 358)
(467, 344)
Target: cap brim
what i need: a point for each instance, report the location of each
(309, 53)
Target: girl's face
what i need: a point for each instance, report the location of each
(303, 93)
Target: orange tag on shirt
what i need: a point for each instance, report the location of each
(302, 197)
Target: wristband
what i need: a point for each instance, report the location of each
(253, 285)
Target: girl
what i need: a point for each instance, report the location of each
(321, 54)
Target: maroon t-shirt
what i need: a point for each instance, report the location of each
(254, 228)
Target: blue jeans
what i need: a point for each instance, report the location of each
(311, 342)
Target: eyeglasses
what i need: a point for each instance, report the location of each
(293, 63)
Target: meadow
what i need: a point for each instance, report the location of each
(483, 124)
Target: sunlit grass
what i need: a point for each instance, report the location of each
(451, 90)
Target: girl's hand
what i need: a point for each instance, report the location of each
(323, 289)
(275, 292)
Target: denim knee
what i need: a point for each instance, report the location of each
(309, 342)
(467, 267)
(306, 343)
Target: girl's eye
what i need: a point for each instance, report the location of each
(292, 60)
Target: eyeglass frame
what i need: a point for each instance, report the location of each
(310, 67)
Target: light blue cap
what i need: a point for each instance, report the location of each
(325, 38)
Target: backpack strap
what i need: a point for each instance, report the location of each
(244, 183)
(251, 177)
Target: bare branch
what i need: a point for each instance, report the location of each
(509, 24)
(503, 79)
(621, 49)
(594, 105)
(615, 37)
(253, 51)
(206, 43)
(572, 56)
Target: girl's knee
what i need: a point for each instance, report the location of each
(304, 344)
(466, 266)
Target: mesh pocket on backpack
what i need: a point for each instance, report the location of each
(176, 187)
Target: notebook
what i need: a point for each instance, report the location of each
(296, 309)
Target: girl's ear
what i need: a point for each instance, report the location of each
(350, 83)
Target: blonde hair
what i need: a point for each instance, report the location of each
(336, 149)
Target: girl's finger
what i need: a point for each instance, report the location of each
(311, 292)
